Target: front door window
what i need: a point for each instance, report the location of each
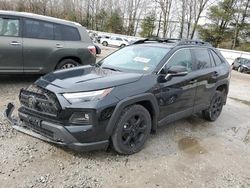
(9, 27)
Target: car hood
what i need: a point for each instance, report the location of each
(85, 78)
(246, 65)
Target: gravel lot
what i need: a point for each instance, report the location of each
(187, 153)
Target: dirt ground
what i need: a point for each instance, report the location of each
(187, 153)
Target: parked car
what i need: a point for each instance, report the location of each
(241, 64)
(32, 43)
(114, 41)
(125, 96)
(102, 36)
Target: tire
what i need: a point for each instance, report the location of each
(132, 130)
(104, 43)
(215, 108)
(67, 63)
(123, 45)
(98, 49)
(240, 69)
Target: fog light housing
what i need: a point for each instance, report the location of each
(80, 118)
(107, 113)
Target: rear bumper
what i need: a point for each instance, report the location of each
(50, 132)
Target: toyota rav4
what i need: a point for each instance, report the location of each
(126, 96)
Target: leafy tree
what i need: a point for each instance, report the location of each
(165, 6)
(115, 23)
(148, 26)
(101, 20)
(221, 16)
(240, 25)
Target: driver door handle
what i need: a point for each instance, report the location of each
(15, 43)
(59, 46)
(192, 81)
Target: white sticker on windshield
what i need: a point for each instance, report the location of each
(142, 59)
(146, 68)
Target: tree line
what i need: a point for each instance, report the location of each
(225, 23)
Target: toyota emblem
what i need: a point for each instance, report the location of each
(32, 102)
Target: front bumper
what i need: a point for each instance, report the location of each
(246, 70)
(50, 132)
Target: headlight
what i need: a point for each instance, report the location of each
(87, 96)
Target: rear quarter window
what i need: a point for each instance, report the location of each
(216, 58)
(66, 33)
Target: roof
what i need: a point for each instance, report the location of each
(39, 17)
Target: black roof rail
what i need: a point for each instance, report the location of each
(168, 40)
(176, 41)
(194, 42)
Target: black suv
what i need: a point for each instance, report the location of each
(241, 64)
(125, 96)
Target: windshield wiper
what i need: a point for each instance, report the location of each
(113, 69)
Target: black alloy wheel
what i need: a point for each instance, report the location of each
(132, 130)
(214, 111)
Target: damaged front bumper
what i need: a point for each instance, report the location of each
(61, 136)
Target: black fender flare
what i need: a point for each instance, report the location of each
(221, 83)
(149, 97)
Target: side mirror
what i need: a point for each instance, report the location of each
(176, 71)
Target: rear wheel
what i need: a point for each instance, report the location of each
(105, 43)
(123, 45)
(67, 63)
(215, 108)
(132, 130)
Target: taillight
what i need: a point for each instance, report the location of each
(92, 50)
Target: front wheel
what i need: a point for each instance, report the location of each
(215, 108)
(132, 130)
(240, 69)
(123, 45)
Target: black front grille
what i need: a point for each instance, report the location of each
(39, 100)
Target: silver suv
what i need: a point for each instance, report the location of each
(33, 43)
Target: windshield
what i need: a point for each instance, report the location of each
(246, 62)
(135, 58)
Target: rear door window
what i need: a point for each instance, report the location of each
(38, 29)
(9, 27)
(202, 58)
(66, 33)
